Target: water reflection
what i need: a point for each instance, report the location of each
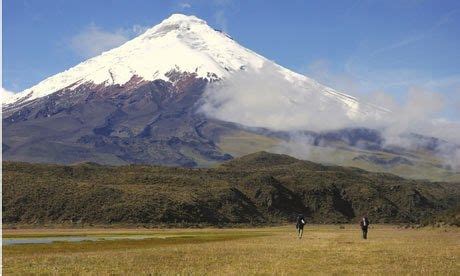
(42, 240)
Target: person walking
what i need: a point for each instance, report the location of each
(364, 223)
(299, 225)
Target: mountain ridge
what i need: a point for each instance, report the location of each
(260, 188)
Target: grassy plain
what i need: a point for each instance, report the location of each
(325, 249)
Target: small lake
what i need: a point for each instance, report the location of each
(42, 240)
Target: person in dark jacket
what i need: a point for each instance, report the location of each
(299, 225)
(364, 223)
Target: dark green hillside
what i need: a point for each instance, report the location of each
(257, 188)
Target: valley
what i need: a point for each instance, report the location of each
(329, 249)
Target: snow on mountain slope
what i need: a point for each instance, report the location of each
(182, 43)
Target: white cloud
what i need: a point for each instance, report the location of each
(7, 93)
(419, 114)
(93, 40)
(264, 98)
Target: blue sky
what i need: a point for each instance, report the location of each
(358, 46)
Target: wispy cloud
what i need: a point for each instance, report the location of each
(93, 40)
(451, 82)
(223, 2)
(321, 71)
(220, 15)
(401, 43)
(371, 77)
(220, 9)
(185, 5)
(221, 20)
(135, 30)
(370, 85)
(413, 38)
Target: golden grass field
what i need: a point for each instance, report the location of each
(324, 249)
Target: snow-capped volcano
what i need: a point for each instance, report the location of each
(181, 94)
(180, 43)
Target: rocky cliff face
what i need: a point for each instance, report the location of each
(138, 122)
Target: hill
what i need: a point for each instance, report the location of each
(255, 189)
